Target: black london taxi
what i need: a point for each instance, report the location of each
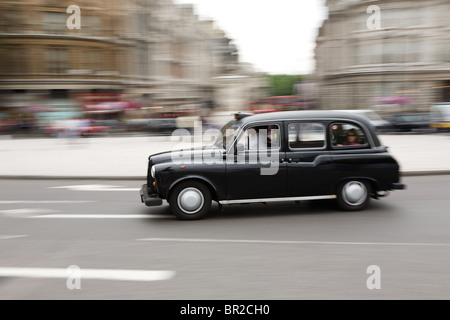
(280, 156)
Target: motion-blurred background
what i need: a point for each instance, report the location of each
(155, 65)
(136, 70)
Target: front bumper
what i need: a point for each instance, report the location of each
(398, 186)
(148, 199)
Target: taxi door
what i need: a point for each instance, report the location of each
(256, 171)
(309, 164)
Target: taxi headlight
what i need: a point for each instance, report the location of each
(152, 172)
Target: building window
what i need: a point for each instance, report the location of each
(57, 60)
(391, 18)
(393, 52)
(141, 22)
(442, 52)
(370, 52)
(12, 21)
(143, 60)
(176, 70)
(92, 25)
(54, 22)
(414, 51)
(15, 60)
(93, 59)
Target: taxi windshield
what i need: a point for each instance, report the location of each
(224, 140)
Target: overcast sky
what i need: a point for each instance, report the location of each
(276, 36)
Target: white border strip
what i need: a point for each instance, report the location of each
(97, 274)
(12, 237)
(45, 201)
(277, 199)
(97, 216)
(296, 242)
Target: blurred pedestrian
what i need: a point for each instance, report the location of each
(72, 130)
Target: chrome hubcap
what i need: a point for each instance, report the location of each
(190, 200)
(354, 193)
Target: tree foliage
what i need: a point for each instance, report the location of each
(283, 84)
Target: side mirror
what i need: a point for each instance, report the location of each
(240, 147)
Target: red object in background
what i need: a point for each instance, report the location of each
(98, 97)
(90, 128)
(106, 103)
(111, 106)
(277, 103)
(106, 107)
(259, 111)
(393, 100)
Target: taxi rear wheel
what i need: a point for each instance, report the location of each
(353, 195)
(190, 200)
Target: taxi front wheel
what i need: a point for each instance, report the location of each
(190, 200)
(353, 195)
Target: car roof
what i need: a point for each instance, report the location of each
(306, 115)
(311, 115)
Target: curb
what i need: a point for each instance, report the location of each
(418, 173)
(424, 173)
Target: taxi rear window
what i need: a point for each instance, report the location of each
(306, 135)
(347, 135)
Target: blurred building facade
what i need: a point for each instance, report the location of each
(43, 63)
(152, 52)
(236, 89)
(175, 55)
(401, 64)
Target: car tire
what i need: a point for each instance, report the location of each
(190, 200)
(353, 195)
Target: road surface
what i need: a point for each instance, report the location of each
(310, 250)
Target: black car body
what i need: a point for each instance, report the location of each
(410, 121)
(295, 155)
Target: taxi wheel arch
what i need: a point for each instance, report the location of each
(207, 183)
(190, 199)
(354, 194)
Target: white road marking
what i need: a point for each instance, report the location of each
(97, 216)
(12, 237)
(44, 201)
(95, 187)
(26, 211)
(97, 274)
(297, 242)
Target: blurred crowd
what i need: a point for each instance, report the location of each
(144, 120)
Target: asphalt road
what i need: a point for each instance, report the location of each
(287, 251)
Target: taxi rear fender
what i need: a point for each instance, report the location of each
(374, 186)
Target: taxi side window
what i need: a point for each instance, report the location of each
(261, 138)
(347, 135)
(306, 135)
